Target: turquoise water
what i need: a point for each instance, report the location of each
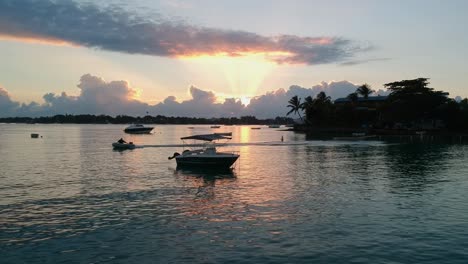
(69, 198)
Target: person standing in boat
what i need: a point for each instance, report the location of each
(122, 141)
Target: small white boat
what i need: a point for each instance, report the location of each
(207, 157)
(138, 129)
(122, 146)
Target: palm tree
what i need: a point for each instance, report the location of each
(295, 105)
(308, 106)
(364, 90)
(322, 97)
(308, 101)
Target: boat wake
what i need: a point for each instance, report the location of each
(277, 144)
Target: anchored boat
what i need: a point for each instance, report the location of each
(138, 129)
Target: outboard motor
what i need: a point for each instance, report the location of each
(173, 156)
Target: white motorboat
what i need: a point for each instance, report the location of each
(138, 129)
(207, 156)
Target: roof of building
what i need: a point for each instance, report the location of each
(378, 98)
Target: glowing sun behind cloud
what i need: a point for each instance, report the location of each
(244, 73)
(245, 100)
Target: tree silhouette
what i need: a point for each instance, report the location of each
(295, 105)
(307, 106)
(412, 100)
(308, 102)
(364, 90)
(318, 109)
(323, 98)
(353, 97)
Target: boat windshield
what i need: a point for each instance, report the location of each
(210, 142)
(207, 137)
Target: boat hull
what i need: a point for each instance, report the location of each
(206, 162)
(143, 130)
(123, 146)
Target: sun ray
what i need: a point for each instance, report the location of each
(244, 72)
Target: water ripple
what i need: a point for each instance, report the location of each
(67, 198)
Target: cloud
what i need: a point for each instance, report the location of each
(274, 103)
(98, 96)
(356, 62)
(7, 106)
(202, 96)
(202, 104)
(115, 29)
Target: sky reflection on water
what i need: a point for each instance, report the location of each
(67, 197)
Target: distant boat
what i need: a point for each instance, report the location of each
(228, 134)
(190, 127)
(138, 129)
(34, 135)
(256, 128)
(215, 126)
(123, 146)
(206, 157)
(274, 126)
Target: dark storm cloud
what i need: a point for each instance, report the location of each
(115, 29)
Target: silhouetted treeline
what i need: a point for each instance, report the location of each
(410, 106)
(159, 119)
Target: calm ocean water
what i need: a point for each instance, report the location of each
(69, 198)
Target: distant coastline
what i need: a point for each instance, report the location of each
(312, 131)
(315, 131)
(159, 119)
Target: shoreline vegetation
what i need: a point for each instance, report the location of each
(411, 108)
(159, 119)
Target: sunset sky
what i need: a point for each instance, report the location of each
(219, 58)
